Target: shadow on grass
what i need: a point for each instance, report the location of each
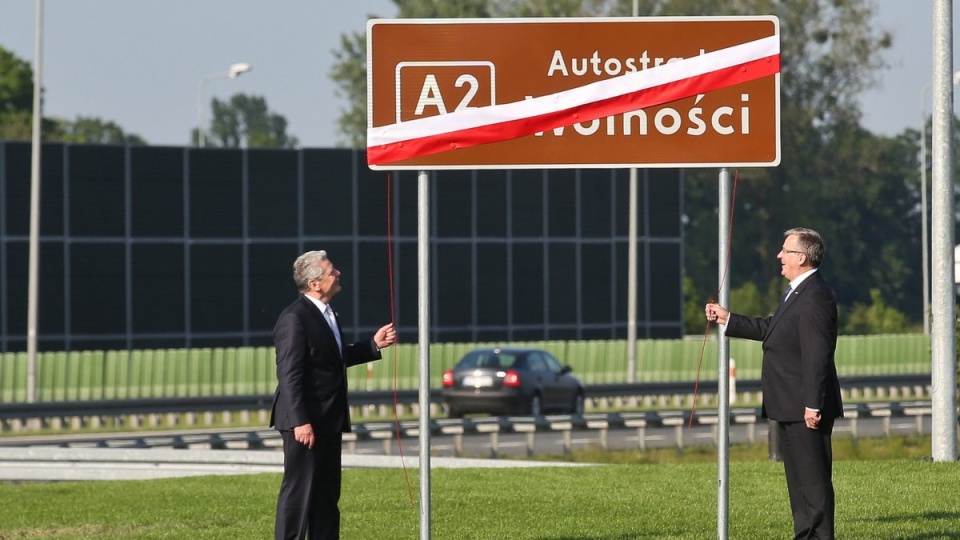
(948, 519)
(617, 537)
(951, 519)
(621, 536)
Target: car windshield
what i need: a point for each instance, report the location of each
(488, 359)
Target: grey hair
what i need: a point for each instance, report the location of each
(307, 267)
(810, 243)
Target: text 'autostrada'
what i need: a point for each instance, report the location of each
(719, 118)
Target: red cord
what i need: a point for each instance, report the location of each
(723, 278)
(396, 362)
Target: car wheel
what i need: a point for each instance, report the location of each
(578, 404)
(536, 405)
(453, 413)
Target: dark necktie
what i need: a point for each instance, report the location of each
(786, 294)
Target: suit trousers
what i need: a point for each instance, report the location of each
(808, 464)
(307, 506)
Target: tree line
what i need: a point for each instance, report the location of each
(243, 121)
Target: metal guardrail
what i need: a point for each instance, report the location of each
(387, 432)
(59, 413)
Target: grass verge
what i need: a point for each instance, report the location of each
(906, 498)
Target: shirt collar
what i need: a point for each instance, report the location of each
(319, 303)
(799, 279)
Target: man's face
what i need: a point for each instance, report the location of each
(329, 285)
(791, 258)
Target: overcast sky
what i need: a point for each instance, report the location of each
(139, 64)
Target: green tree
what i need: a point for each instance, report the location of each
(693, 317)
(16, 112)
(16, 126)
(747, 299)
(89, 130)
(16, 97)
(246, 122)
(859, 191)
(442, 9)
(16, 83)
(554, 8)
(855, 188)
(350, 75)
(876, 318)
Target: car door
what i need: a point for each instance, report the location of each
(562, 387)
(546, 378)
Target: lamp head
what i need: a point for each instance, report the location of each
(237, 69)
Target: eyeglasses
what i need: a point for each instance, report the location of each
(792, 251)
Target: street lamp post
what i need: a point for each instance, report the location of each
(924, 241)
(235, 71)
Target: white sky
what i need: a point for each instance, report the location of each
(139, 64)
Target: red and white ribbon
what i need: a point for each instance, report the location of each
(625, 93)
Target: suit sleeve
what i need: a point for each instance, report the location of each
(740, 326)
(292, 350)
(361, 352)
(816, 331)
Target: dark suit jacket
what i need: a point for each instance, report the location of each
(799, 343)
(311, 374)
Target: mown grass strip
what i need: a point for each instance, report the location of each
(906, 498)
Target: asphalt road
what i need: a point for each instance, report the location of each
(188, 452)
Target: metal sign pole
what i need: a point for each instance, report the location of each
(632, 282)
(34, 249)
(423, 285)
(632, 273)
(944, 329)
(723, 360)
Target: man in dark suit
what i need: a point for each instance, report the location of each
(799, 379)
(310, 405)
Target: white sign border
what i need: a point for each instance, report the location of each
(574, 20)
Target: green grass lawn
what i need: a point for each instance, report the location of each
(877, 499)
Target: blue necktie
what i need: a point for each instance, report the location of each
(332, 321)
(786, 294)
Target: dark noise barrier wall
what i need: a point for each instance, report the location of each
(165, 247)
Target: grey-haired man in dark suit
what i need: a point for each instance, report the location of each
(310, 405)
(801, 390)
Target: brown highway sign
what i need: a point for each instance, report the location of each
(573, 93)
